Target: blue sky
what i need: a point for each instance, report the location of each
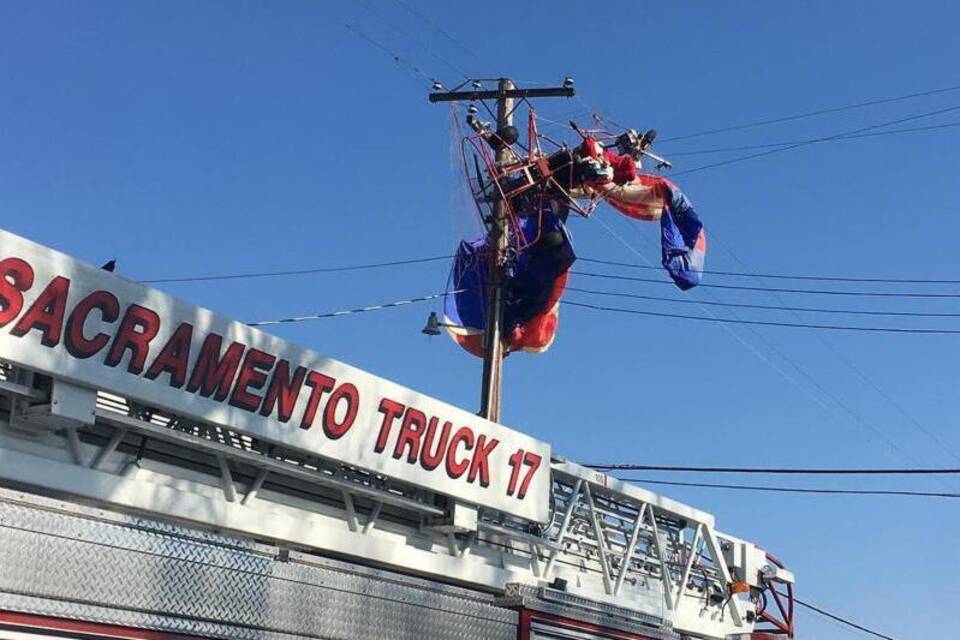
(195, 138)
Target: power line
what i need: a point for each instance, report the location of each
(824, 390)
(404, 34)
(774, 365)
(396, 58)
(629, 265)
(806, 471)
(765, 323)
(439, 29)
(429, 259)
(765, 307)
(840, 619)
(826, 139)
(782, 276)
(810, 114)
(818, 491)
(298, 272)
(853, 367)
(768, 145)
(824, 292)
(349, 312)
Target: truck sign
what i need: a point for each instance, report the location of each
(96, 329)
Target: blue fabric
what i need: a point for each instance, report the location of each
(531, 275)
(682, 241)
(467, 308)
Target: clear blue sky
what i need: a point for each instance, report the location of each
(190, 138)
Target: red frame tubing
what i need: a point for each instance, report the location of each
(26, 622)
(527, 616)
(781, 625)
(533, 157)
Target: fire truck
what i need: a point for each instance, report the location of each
(168, 473)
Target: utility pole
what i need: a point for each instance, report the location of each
(497, 236)
(492, 381)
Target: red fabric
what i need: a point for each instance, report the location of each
(624, 167)
(656, 194)
(590, 149)
(537, 333)
(472, 344)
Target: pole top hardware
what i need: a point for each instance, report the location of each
(479, 93)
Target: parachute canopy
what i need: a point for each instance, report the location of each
(535, 280)
(539, 189)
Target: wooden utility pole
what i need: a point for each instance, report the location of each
(497, 237)
(492, 382)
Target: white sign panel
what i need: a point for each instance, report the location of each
(67, 318)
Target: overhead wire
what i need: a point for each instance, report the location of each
(943, 446)
(298, 272)
(396, 57)
(858, 371)
(392, 25)
(629, 265)
(802, 471)
(804, 490)
(840, 619)
(818, 140)
(349, 312)
(764, 307)
(782, 276)
(768, 145)
(436, 27)
(811, 380)
(765, 323)
(824, 292)
(846, 361)
(817, 112)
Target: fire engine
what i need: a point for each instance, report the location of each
(166, 473)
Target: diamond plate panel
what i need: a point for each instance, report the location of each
(129, 571)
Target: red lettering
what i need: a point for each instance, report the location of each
(16, 277)
(212, 374)
(411, 429)
(456, 469)
(319, 384)
(515, 461)
(78, 345)
(174, 357)
(518, 459)
(46, 313)
(252, 376)
(480, 464)
(431, 460)
(138, 327)
(390, 410)
(283, 389)
(533, 461)
(331, 427)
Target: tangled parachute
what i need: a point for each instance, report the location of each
(539, 190)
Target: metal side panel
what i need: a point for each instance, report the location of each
(69, 561)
